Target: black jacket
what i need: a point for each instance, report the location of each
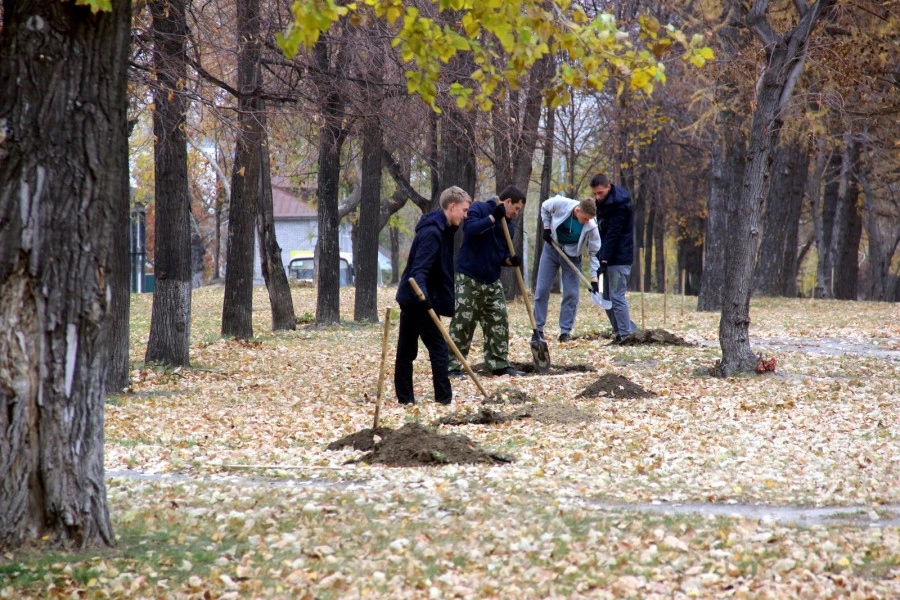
(430, 262)
(616, 227)
(484, 249)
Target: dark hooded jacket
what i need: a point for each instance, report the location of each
(430, 262)
(484, 249)
(616, 227)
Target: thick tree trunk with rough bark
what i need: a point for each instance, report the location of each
(118, 322)
(365, 306)
(63, 169)
(846, 269)
(237, 307)
(281, 302)
(776, 267)
(546, 181)
(170, 322)
(785, 59)
(827, 226)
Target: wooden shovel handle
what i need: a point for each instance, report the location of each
(512, 252)
(563, 256)
(440, 326)
(384, 344)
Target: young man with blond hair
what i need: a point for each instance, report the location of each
(430, 263)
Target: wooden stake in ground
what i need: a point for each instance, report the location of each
(641, 260)
(384, 345)
(440, 326)
(683, 273)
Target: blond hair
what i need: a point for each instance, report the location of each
(454, 195)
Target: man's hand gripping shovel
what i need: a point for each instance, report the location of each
(540, 352)
(596, 297)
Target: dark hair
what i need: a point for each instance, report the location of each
(513, 193)
(599, 179)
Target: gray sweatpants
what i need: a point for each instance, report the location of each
(550, 264)
(618, 315)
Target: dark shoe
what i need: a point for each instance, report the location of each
(456, 374)
(617, 341)
(406, 401)
(445, 402)
(537, 336)
(564, 337)
(507, 371)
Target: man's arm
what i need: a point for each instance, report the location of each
(478, 221)
(426, 254)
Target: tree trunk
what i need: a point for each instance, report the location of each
(331, 138)
(846, 274)
(825, 241)
(776, 268)
(785, 59)
(237, 308)
(881, 248)
(546, 182)
(395, 255)
(118, 322)
(63, 170)
(280, 301)
(170, 322)
(365, 307)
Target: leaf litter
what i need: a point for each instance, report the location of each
(555, 523)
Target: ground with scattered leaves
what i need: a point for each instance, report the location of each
(221, 485)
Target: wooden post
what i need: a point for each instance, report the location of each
(683, 273)
(384, 344)
(641, 259)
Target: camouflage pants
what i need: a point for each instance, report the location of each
(480, 304)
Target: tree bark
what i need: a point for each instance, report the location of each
(63, 169)
(776, 268)
(785, 59)
(846, 274)
(546, 182)
(280, 300)
(828, 218)
(237, 308)
(117, 378)
(331, 139)
(170, 321)
(365, 306)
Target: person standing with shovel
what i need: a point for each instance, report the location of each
(480, 299)
(570, 224)
(430, 264)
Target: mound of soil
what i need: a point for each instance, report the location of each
(654, 336)
(363, 440)
(614, 386)
(482, 416)
(414, 445)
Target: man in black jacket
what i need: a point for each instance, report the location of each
(616, 219)
(430, 263)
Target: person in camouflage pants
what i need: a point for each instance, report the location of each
(479, 294)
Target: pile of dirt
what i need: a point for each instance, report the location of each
(482, 416)
(614, 386)
(654, 336)
(414, 445)
(363, 440)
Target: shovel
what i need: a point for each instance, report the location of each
(540, 352)
(437, 321)
(596, 297)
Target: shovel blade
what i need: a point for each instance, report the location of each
(599, 300)
(540, 352)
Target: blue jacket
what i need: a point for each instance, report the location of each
(616, 228)
(430, 262)
(484, 250)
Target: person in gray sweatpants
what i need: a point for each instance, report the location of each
(571, 224)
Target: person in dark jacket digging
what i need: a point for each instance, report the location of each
(616, 254)
(480, 299)
(430, 263)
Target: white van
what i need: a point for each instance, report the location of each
(302, 267)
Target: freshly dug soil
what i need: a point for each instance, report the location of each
(529, 369)
(414, 445)
(614, 386)
(508, 395)
(543, 413)
(363, 440)
(654, 336)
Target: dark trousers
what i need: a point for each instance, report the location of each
(415, 322)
